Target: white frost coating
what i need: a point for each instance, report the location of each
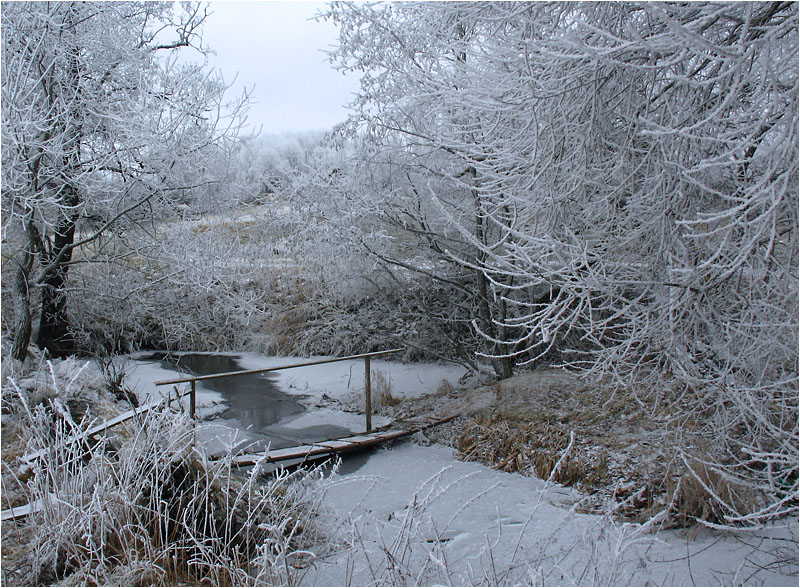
(625, 178)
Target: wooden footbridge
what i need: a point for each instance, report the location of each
(294, 455)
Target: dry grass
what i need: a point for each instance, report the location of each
(625, 459)
(152, 511)
(529, 448)
(628, 457)
(381, 391)
(445, 388)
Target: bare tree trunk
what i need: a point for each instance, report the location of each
(503, 366)
(22, 292)
(54, 332)
(22, 311)
(22, 305)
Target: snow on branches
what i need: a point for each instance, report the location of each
(631, 174)
(104, 133)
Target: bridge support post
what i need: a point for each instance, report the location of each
(193, 400)
(367, 395)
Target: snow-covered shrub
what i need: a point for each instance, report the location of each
(197, 285)
(76, 384)
(304, 318)
(147, 508)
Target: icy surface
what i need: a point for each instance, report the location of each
(341, 380)
(312, 385)
(338, 380)
(415, 515)
(445, 521)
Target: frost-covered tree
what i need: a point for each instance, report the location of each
(417, 71)
(664, 214)
(352, 228)
(269, 163)
(103, 132)
(625, 173)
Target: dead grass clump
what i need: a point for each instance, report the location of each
(381, 391)
(445, 388)
(154, 511)
(703, 493)
(691, 496)
(286, 322)
(532, 448)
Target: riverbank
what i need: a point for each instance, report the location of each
(614, 466)
(416, 513)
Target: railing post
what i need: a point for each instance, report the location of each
(367, 395)
(193, 400)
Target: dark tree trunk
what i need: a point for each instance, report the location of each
(22, 314)
(54, 331)
(503, 366)
(22, 305)
(22, 293)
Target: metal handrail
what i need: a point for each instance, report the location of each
(367, 387)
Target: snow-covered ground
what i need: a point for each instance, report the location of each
(423, 518)
(415, 515)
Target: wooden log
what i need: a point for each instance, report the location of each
(334, 446)
(19, 512)
(30, 458)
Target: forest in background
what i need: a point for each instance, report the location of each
(605, 187)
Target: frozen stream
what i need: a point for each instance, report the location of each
(251, 408)
(422, 517)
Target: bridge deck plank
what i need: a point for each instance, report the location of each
(331, 447)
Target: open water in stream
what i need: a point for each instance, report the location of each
(256, 406)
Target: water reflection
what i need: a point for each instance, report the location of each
(253, 399)
(256, 405)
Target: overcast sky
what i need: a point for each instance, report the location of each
(277, 48)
